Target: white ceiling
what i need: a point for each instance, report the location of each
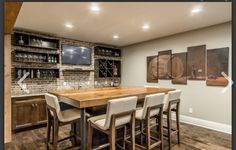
(122, 18)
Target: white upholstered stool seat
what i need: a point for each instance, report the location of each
(139, 113)
(70, 115)
(119, 112)
(152, 109)
(56, 118)
(171, 104)
(99, 121)
(172, 95)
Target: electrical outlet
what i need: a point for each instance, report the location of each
(190, 110)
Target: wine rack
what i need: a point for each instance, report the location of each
(107, 68)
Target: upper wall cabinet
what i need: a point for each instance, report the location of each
(24, 39)
(105, 51)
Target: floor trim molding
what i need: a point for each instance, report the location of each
(225, 128)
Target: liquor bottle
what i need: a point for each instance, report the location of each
(32, 74)
(38, 74)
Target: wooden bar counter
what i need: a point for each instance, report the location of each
(92, 97)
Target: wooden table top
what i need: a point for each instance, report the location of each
(83, 98)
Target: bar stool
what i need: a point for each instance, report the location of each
(152, 109)
(171, 104)
(56, 118)
(120, 112)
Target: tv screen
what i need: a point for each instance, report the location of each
(76, 55)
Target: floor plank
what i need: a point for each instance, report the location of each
(192, 138)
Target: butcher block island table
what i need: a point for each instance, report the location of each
(92, 97)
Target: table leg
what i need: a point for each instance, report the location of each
(83, 129)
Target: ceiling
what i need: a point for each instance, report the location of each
(124, 19)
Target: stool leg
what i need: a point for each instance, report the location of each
(141, 135)
(160, 126)
(48, 132)
(52, 122)
(55, 135)
(124, 137)
(74, 134)
(71, 134)
(169, 128)
(177, 124)
(133, 133)
(112, 138)
(148, 133)
(90, 136)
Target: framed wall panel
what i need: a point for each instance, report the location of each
(164, 64)
(152, 72)
(217, 62)
(179, 68)
(196, 62)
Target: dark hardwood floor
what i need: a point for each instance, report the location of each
(192, 138)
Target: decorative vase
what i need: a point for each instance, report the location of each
(21, 41)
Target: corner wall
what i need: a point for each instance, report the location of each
(207, 102)
(7, 89)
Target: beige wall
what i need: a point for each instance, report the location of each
(7, 88)
(208, 102)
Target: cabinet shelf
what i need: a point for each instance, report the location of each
(37, 73)
(106, 51)
(35, 57)
(27, 40)
(78, 69)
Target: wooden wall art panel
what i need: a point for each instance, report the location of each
(152, 72)
(179, 68)
(217, 62)
(196, 62)
(164, 64)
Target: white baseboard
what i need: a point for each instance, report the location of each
(205, 124)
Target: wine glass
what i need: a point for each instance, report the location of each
(35, 58)
(41, 58)
(25, 57)
(17, 57)
(30, 57)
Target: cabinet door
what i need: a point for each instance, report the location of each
(23, 114)
(41, 111)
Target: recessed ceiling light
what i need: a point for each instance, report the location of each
(68, 25)
(116, 37)
(95, 8)
(145, 26)
(196, 9)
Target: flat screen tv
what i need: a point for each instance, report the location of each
(75, 55)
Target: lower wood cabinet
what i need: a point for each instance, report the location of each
(28, 111)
